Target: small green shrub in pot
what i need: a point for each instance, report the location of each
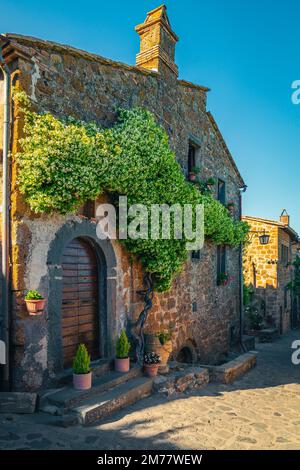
(122, 363)
(82, 375)
(33, 295)
(35, 302)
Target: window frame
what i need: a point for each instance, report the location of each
(221, 261)
(221, 199)
(191, 159)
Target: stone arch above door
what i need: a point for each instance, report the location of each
(72, 229)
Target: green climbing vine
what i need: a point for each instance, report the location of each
(63, 163)
(294, 285)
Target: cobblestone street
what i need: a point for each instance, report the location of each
(259, 411)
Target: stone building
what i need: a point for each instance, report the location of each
(268, 268)
(204, 316)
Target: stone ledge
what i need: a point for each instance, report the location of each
(230, 371)
(17, 402)
(268, 335)
(181, 380)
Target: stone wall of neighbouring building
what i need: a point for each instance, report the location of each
(285, 275)
(204, 316)
(265, 270)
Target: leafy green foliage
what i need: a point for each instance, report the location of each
(123, 346)
(64, 163)
(164, 337)
(33, 295)
(222, 279)
(82, 361)
(247, 291)
(294, 285)
(255, 319)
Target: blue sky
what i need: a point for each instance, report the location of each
(246, 51)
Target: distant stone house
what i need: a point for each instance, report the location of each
(268, 268)
(205, 317)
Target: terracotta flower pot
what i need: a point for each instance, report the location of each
(82, 381)
(151, 369)
(164, 351)
(122, 365)
(35, 307)
(192, 176)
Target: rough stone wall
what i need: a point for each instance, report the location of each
(265, 271)
(1, 112)
(285, 274)
(202, 313)
(1, 157)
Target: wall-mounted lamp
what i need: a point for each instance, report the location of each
(263, 236)
(264, 239)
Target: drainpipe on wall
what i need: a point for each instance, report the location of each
(242, 190)
(5, 220)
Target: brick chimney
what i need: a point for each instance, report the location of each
(157, 49)
(284, 217)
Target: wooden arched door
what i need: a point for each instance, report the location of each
(80, 298)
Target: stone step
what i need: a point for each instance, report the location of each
(268, 335)
(97, 407)
(230, 371)
(68, 397)
(248, 342)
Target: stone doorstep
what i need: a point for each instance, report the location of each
(182, 380)
(125, 394)
(228, 372)
(68, 397)
(17, 402)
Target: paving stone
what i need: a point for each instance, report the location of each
(50, 409)
(9, 437)
(32, 436)
(246, 439)
(41, 444)
(91, 439)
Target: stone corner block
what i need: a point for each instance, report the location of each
(17, 402)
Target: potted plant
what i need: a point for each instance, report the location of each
(254, 320)
(165, 347)
(35, 302)
(82, 375)
(195, 170)
(151, 363)
(223, 279)
(230, 206)
(122, 363)
(210, 182)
